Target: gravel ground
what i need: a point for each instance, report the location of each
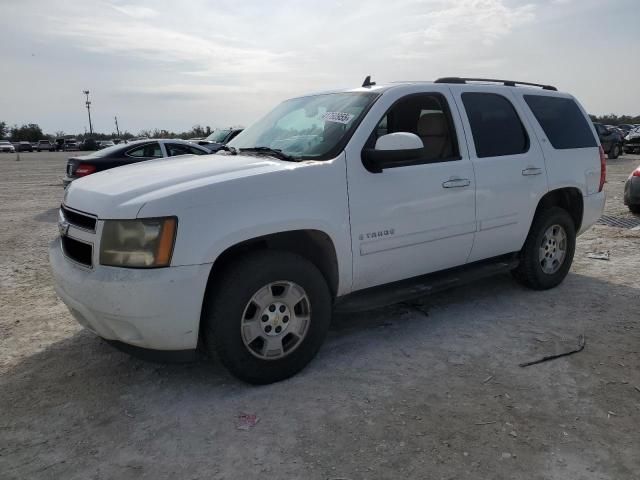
(410, 391)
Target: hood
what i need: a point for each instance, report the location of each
(633, 134)
(121, 192)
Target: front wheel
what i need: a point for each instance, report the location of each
(634, 208)
(614, 152)
(548, 251)
(267, 316)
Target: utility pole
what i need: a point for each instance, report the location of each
(117, 129)
(88, 103)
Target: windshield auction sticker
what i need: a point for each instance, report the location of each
(338, 117)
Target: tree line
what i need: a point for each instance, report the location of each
(32, 132)
(613, 119)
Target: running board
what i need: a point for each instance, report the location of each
(412, 288)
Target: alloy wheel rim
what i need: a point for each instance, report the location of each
(553, 249)
(276, 320)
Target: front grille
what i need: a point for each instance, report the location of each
(80, 220)
(77, 251)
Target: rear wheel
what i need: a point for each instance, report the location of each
(548, 251)
(614, 152)
(268, 316)
(634, 208)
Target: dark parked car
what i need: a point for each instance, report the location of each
(611, 141)
(218, 138)
(66, 144)
(632, 191)
(625, 127)
(127, 153)
(24, 147)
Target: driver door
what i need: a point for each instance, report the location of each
(418, 217)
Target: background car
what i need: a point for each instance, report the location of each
(45, 145)
(6, 146)
(66, 144)
(632, 141)
(218, 138)
(632, 191)
(105, 143)
(127, 153)
(610, 139)
(24, 147)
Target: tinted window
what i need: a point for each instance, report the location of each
(563, 122)
(495, 125)
(174, 149)
(148, 150)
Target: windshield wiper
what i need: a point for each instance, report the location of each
(231, 150)
(275, 152)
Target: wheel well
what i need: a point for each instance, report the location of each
(314, 245)
(570, 199)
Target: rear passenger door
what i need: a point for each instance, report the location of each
(509, 168)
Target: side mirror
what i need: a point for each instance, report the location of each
(393, 150)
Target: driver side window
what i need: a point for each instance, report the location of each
(428, 117)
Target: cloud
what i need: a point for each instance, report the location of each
(136, 11)
(460, 24)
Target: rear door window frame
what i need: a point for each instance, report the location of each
(473, 142)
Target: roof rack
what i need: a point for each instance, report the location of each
(506, 83)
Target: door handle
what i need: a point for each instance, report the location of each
(456, 183)
(531, 171)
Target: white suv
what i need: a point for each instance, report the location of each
(342, 200)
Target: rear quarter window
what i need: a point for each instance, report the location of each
(563, 122)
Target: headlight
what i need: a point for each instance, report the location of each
(141, 243)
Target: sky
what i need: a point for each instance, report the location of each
(174, 64)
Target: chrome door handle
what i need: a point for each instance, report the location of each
(456, 183)
(531, 171)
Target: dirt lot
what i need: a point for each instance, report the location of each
(395, 393)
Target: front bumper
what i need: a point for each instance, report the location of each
(632, 191)
(593, 208)
(156, 309)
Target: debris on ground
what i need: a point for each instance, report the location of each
(247, 421)
(599, 255)
(579, 348)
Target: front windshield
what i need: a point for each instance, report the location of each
(308, 127)
(218, 136)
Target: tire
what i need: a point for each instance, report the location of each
(530, 272)
(634, 208)
(614, 152)
(230, 302)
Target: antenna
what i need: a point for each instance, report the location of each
(367, 82)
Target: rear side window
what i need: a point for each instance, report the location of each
(150, 150)
(563, 122)
(495, 125)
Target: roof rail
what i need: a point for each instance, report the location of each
(506, 83)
